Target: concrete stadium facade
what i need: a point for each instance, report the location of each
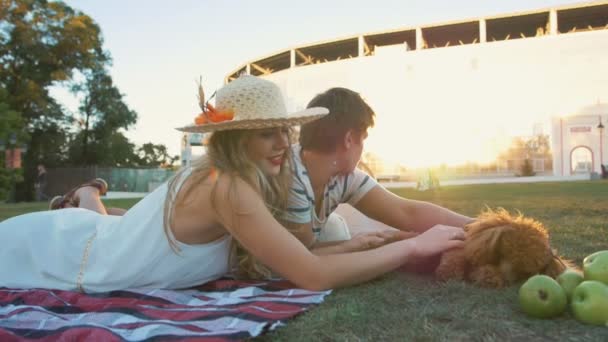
(464, 85)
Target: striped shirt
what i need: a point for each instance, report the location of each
(348, 188)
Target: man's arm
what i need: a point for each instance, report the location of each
(303, 231)
(404, 214)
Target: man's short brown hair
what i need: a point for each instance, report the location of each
(347, 111)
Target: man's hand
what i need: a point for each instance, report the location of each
(364, 241)
(438, 239)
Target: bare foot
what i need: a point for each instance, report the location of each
(97, 187)
(84, 192)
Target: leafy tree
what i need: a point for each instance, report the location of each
(102, 113)
(113, 149)
(9, 125)
(540, 146)
(45, 44)
(11, 120)
(525, 149)
(526, 169)
(42, 44)
(155, 155)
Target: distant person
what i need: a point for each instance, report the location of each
(41, 184)
(214, 217)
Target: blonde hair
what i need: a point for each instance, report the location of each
(226, 154)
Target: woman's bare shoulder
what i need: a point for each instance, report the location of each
(234, 191)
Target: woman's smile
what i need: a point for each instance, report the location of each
(277, 159)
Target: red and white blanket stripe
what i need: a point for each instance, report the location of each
(225, 309)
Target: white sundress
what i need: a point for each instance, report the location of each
(78, 249)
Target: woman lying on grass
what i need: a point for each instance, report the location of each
(213, 216)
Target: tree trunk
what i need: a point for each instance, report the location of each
(85, 136)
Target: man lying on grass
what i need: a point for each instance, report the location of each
(325, 175)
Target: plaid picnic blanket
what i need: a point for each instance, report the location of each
(224, 309)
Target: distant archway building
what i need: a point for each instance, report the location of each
(579, 141)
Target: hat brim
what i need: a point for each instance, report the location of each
(294, 119)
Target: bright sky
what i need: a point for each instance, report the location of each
(159, 48)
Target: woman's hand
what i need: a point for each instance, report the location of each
(437, 239)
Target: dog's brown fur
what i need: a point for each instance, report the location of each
(501, 250)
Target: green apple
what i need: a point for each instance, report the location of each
(542, 297)
(595, 267)
(590, 302)
(569, 280)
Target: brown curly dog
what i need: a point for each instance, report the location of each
(501, 250)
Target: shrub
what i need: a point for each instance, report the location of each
(526, 169)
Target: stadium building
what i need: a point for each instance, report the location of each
(455, 91)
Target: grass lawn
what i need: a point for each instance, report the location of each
(410, 307)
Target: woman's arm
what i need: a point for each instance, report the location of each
(242, 212)
(390, 209)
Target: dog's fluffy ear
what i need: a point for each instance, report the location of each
(482, 244)
(484, 236)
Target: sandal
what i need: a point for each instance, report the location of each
(60, 202)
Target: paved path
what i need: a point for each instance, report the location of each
(122, 194)
(496, 180)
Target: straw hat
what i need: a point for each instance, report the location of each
(250, 102)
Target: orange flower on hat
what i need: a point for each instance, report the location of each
(210, 113)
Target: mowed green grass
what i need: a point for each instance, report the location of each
(10, 210)
(409, 307)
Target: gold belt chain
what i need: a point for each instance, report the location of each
(83, 264)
